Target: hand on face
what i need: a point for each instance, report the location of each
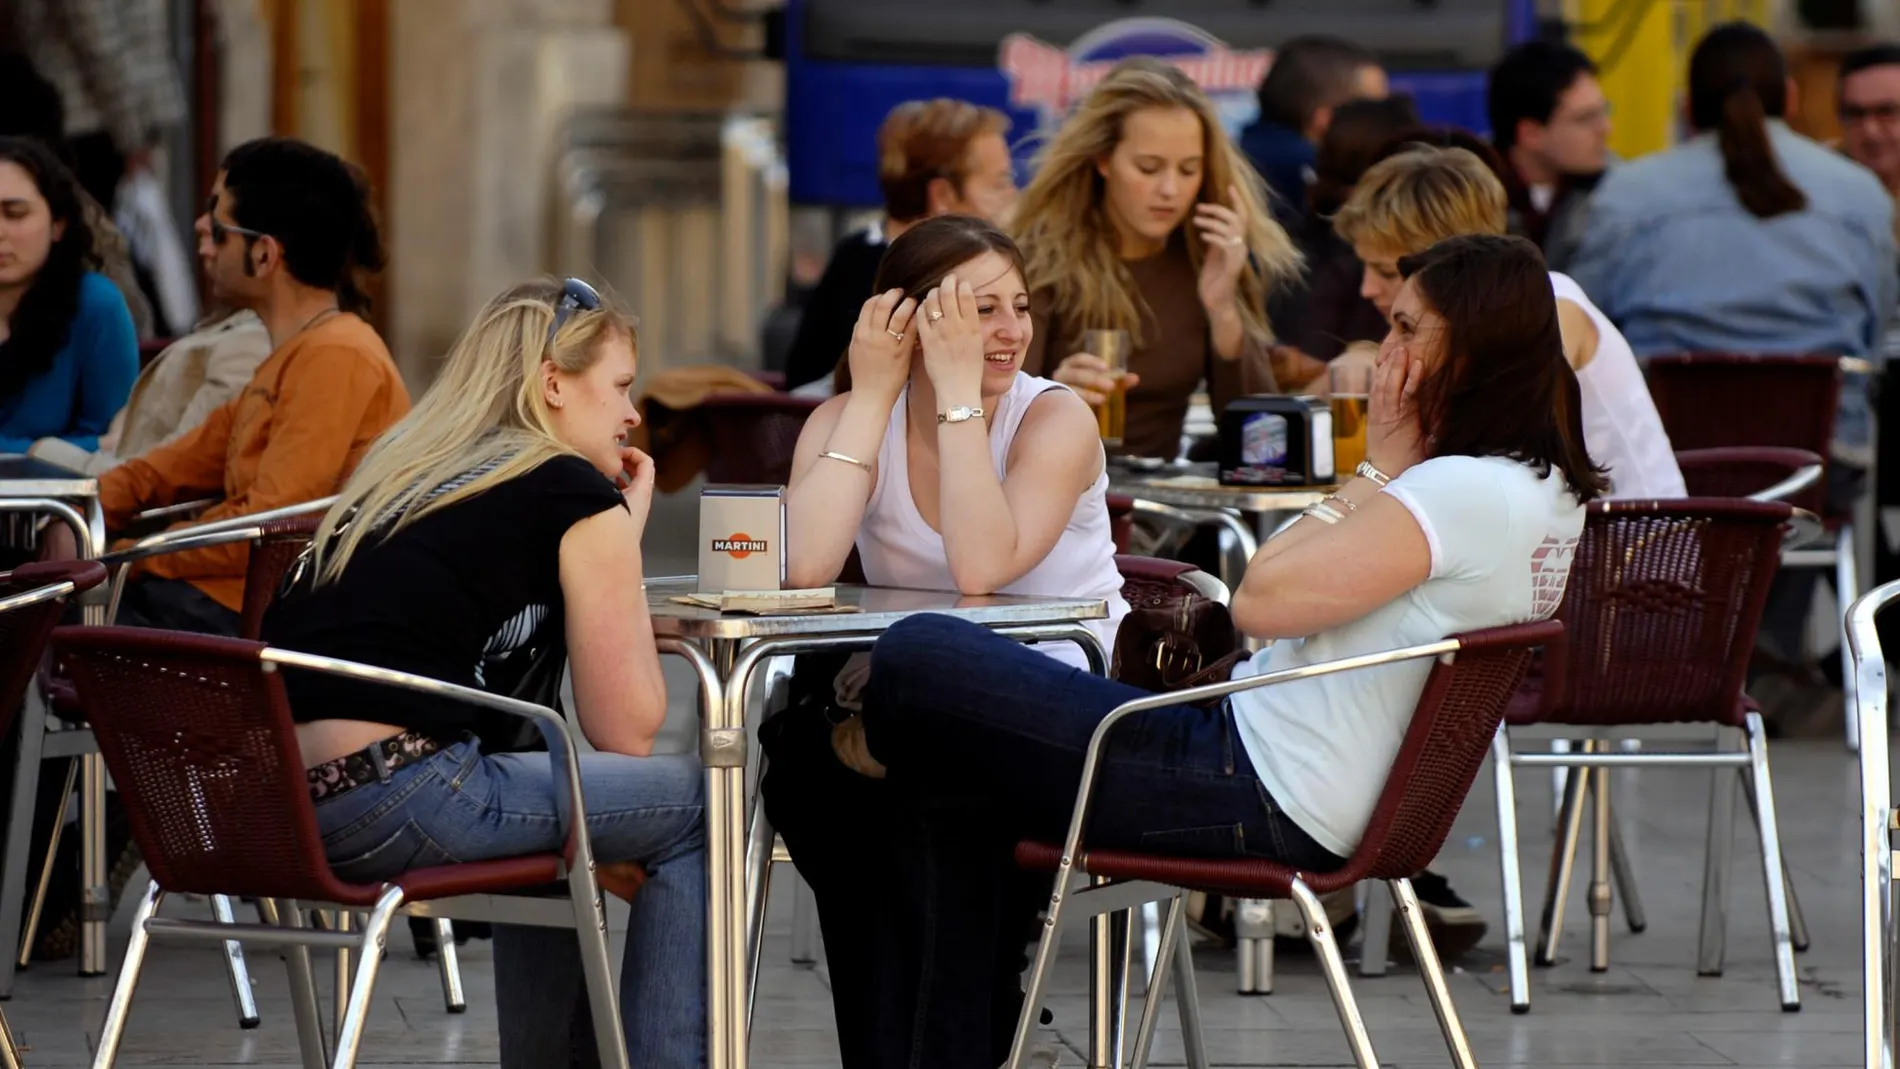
(1394, 440)
(636, 483)
(879, 356)
(952, 336)
(1224, 233)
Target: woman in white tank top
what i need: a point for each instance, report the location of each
(944, 464)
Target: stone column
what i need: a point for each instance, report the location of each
(478, 92)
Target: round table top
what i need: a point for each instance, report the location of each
(1194, 486)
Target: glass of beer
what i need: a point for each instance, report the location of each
(1351, 393)
(1111, 416)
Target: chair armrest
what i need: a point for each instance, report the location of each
(1788, 471)
(553, 726)
(169, 513)
(253, 519)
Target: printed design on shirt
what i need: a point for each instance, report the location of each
(1550, 572)
(514, 634)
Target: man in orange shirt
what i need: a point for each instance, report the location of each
(285, 233)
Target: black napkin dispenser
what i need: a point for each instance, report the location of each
(1275, 440)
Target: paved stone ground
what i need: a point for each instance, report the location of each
(1649, 1009)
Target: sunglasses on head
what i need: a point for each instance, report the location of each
(576, 296)
(220, 230)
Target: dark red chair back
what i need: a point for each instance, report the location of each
(197, 733)
(1739, 470)
(24, 631)
(272, 554)
(1151, 582)
(1445, 744)
(753, 435)
(1121, 520)
(1661, 610)
(1717, 399)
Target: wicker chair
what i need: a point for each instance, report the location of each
(198, 735)
(753, 436)
(1729, 399)
(1661, 609)
(1457, 715)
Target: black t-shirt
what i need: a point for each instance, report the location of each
(831, 312)
(449, 597)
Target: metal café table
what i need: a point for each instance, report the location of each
(1195, 489)
(33, 487)
(727, 651)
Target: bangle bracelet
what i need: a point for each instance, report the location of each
(848, 460)
(1366, 469)
(1323, 512)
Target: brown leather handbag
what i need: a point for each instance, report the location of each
(1189, 643)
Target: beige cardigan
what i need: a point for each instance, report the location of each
(176, 391)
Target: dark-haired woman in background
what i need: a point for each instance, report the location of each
(68, 352)
(1749, 238)
(1463, 517)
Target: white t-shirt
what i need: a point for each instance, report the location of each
(1620, 425)
(1501, 542)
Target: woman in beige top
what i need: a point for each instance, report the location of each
(1144, 217)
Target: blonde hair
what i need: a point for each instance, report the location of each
(924, 140)
(485, 413)
(1409, 202)
(1063, 227)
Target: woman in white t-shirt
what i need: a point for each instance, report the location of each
(1464, 517)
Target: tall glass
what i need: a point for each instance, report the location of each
(1351, 393)
(1111, 416)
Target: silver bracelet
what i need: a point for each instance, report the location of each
(1323, 512)
(1366, 469)
(848, 460)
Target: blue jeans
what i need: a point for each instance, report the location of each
(924, 913)
(462, 805)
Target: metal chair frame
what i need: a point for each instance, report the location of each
(1175, 958)
(284, 925)
(1879, 819)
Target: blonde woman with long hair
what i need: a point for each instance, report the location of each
(503, 511)
(1144, 217)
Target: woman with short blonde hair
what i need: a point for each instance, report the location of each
(1143, 216)
(1422, 194)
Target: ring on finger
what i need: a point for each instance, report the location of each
(936, 314)
(898, 334)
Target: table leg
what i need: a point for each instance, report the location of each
(96, 908)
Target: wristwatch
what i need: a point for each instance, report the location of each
(959, 414)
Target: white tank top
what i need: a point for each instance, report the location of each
(899, 549)
(1620, 424)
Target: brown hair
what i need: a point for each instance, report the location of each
(917, 261)
(924, 140)
(1420, 196)
(1359, 130)
(1504, 388)
(1737, 82)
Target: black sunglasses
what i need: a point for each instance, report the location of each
(576, 296)
(220, 230)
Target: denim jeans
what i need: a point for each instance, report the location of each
(462, 805)
(923, 911)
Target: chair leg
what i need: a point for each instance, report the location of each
(312, 1043)
(1846, 590)
(234, 966)
(34, 909)
(1774, 878)
(804, 923)
(1624, 871)
(1187, 1000)
(1108, 988)
(590, 927)
(1253, 945)
(1563, 860)
(1171, 930)
(1600, 904)
(1797, 920)
(1712, 944)
(1433, 973)
(9, 1046)
(1319, 932)
(369, 961)
(1508, 872)
(1375, 932)
(113, 1030)
(1039, 970)
(450, 966)
(345, 921)
(19, 846)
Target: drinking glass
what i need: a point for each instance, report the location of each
(1351, 394)
(1111, 416)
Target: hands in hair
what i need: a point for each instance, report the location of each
(881, 345)
(952, 336)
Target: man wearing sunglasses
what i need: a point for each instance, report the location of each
(287, 231)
